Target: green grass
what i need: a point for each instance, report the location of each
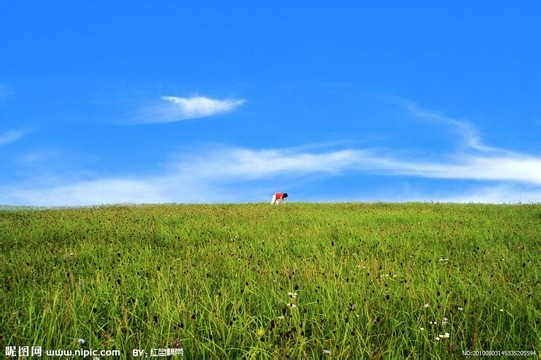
(216, 280)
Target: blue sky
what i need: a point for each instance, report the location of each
(105, 102)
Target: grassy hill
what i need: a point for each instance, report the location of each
(295, 280)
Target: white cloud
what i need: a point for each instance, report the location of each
(468, 133)
(496, 194)
(11, 136)
(100, 191)
(248, 164)
(480, 162)
(218, 176)
(487, 194)
(256, 164)
(526, 169)
(173, 109)
(230, 174)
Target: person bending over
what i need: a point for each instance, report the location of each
(278, 198)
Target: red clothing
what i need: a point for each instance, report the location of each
(279, 196)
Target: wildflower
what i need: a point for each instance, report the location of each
(501, 310)
(422, 329)
(460, 309)
(437, 338)
(292, 295)
(446, 335)
(291, 305)
(444, 321)
(81, 341)
(426, 306)
(281, 317)
(327, 352)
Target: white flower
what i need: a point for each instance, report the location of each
(426, 305)
(422, 329)
(437, 339)
(292, 295)
(460, 309)
(81, 341)
(447, 335)
(501, 310)
(444, 321)
(327, 352)
(281, 317)
(291, 305)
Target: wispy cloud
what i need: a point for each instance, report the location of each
(251, 164)
(236, 174)
(204, 178)
(11, 136)
(101, 191)
(470, 136)
(173, 109)
(491, 194)
(255, 164)
(518, 168)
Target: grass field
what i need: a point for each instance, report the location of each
(337, 281)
